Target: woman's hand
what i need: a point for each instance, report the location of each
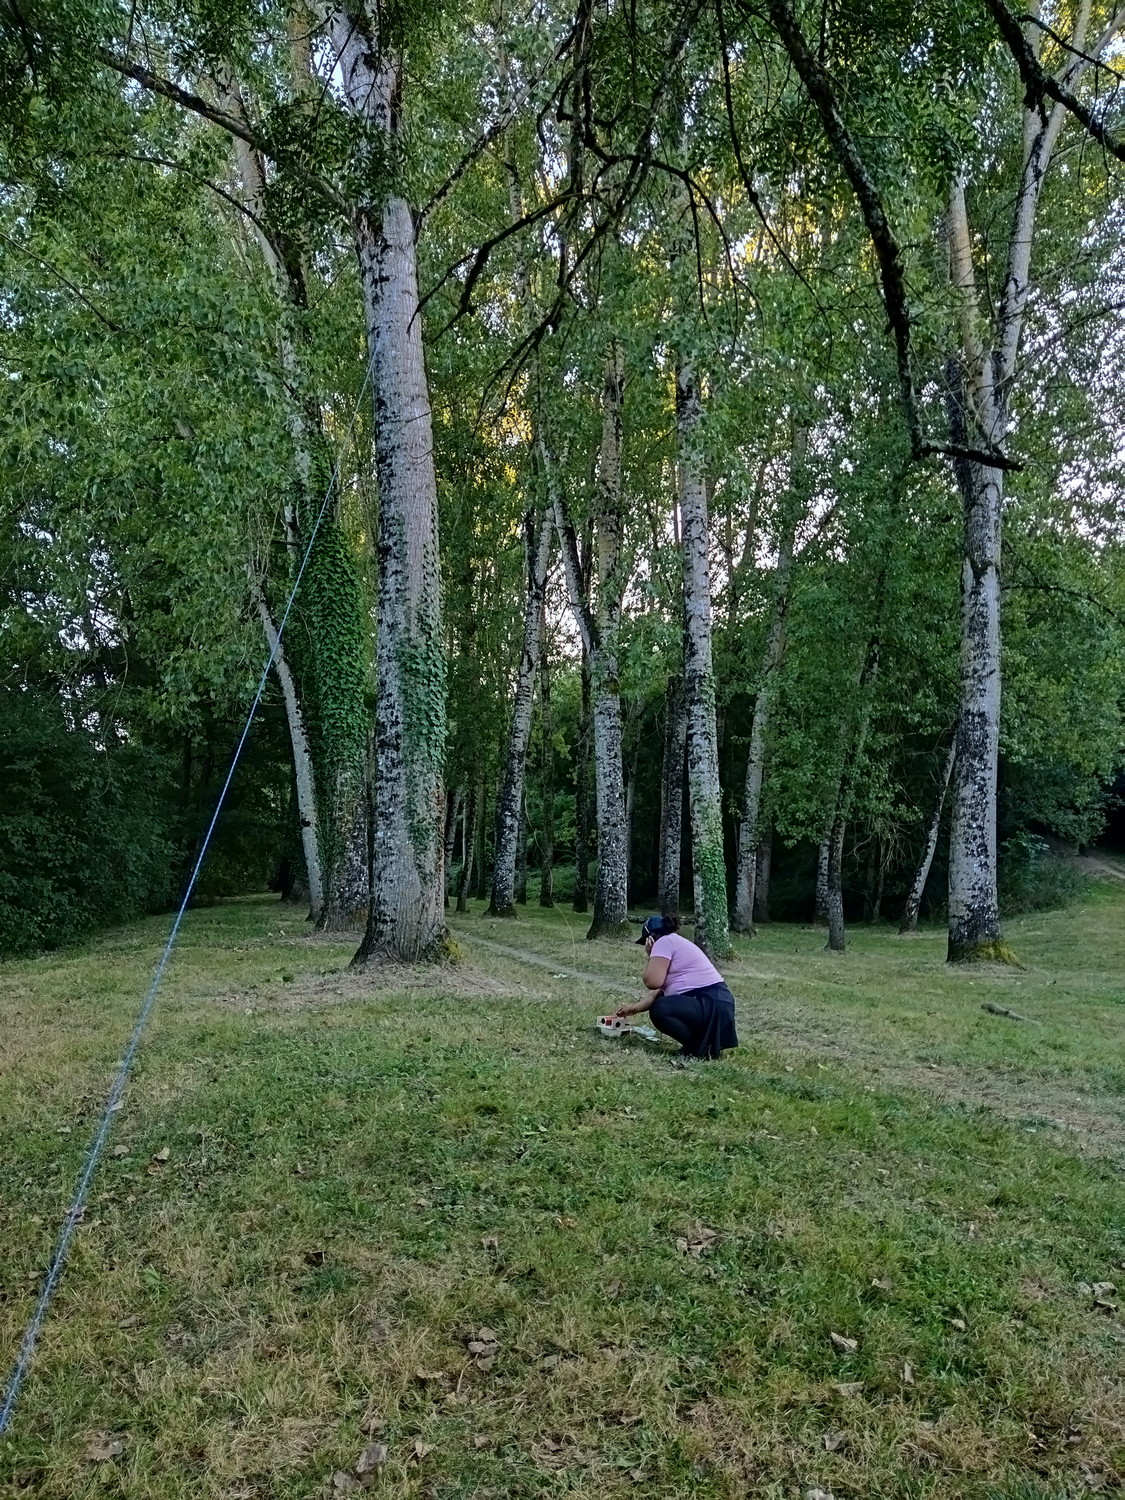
(628, 1010)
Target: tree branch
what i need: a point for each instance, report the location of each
(1041, 84)
(220, 117)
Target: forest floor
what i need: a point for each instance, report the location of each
(428, 1231)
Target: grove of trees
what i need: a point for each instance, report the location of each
(696, 428)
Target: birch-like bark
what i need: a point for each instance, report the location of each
(406, 919)
(302, 758)
(521, 861)
(974, 918)
(453, 803)
(913, 905)
(710, 879)
(598, 630)
(469, 826)
(749, 831)
(582, 796)
(547, 780)
(538, 529)
(672, 799)
(820, 909)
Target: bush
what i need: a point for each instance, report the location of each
(83, 835)
(1034, 878)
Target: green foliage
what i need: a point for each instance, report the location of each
(85, 838)
(1033, 877)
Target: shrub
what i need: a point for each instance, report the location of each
(1034, 878)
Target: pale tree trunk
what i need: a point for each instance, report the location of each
(598, 631)
(469, 825)
(582, 797)
(406, 918)
(672, 799)
(974, 918)
(705, 798)
(547, 780)
(509, 806)
(749, 831)
(452, 814)
(302, 758)
(487, 813)
(820, 909)
(913, 905)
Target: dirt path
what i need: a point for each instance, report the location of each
(556, 969)
(1095, 866)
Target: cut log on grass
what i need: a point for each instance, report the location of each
(1002, 1010)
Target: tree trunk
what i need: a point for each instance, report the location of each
(834, 886)
(672, 799)
(469, 827)
(820, 907)
(763, 861)
(406, 919)
(547, 781)
(913, 906)
(598, 631)
(302, 759)
(582, 797)
(509, 806)
(748, 834)
(708, 859)
(452, 814)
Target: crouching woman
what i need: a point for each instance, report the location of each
(690, 1001)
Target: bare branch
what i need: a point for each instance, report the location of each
(1041, 84)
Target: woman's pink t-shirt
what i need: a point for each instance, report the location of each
(689, 968)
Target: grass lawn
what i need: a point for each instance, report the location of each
(434, 1217)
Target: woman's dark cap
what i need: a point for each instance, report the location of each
(654, 927)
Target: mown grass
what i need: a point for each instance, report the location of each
(361, 1176)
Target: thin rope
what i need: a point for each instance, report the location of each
(113, 1100)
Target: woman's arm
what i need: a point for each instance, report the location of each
(637, 1008)
(656, 972)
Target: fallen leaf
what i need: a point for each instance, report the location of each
(429, 1375)
(315, 1257)
(637, 1476)
(130, 1322)
(1103, 1288)
(420, 1449)
(833, 1441)
(549, 1362)
(372, 1426)
(819, 1495)
(845, 1345)
(481, 1440)
(491, 1243)
(487, 1336)
(848, 1388)
(106, 1446)
(486, 1362)
(564, 1221)
(908, 1373)
(958, 1323)
(612, 1290)
(630, 1418)
(345, 1484)
(162, 1155)
(882, 1284)
(371, 1458)
(1105, 1304)
(120, 1151)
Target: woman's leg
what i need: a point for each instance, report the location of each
(680, 1017)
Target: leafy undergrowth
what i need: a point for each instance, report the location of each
(444, 1227)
